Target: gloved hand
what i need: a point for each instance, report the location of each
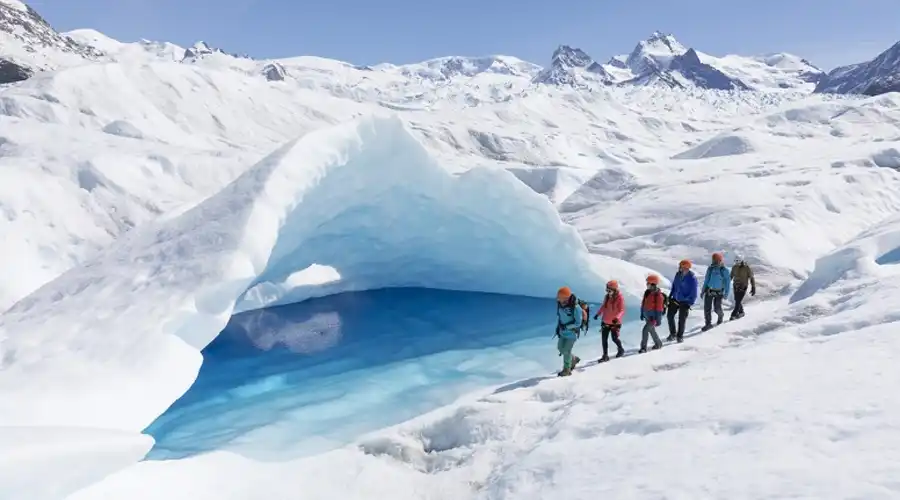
(703, 293)
(658, 322)
(615, 322)
(753, 292)
(643, 318)
(596, 316)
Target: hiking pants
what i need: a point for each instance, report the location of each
(739, 294)
(605, 331)
(564, 345)
(713, 300)
(682, 311)
(649, 329)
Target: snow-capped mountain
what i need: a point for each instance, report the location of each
(569, 65)
(662, 60)
(29, 44)
(878, 76)
(659, 60)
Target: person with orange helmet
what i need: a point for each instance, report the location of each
(681, 299)
(570, 316)
(716, 285)
(652, 309)
(612, 311)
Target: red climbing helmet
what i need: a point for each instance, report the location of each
(653, 279)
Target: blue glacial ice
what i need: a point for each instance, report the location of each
(113, 343)
(302, 378)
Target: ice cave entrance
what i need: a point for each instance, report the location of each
(304, 378)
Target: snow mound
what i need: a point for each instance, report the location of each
(363, 198)
(889, 158)
(123, 128)
(869, 258)
(723, 145)
(74, 458)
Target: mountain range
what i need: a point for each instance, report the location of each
(30, 45)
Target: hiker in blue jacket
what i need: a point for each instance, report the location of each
(681, 299)
(716, 285)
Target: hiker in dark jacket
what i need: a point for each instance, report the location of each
(741, 276)
(681, 298)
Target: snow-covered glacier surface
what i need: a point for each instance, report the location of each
(354, 207)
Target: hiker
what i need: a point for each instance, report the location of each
(741, 276)
(570, 316)
(716, 285)
(652, 309)
(612, 311)
(681, 299)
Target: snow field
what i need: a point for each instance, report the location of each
(788, 181)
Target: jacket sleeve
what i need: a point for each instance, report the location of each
(706, 277)
(732, 271)
(727, 288)
(620, 307)
(752, 279)
(691, 282)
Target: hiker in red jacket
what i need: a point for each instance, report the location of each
(652, 309)
(612, 311)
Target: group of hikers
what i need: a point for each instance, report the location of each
(573, 314)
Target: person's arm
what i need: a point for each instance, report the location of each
(620, 308)
(692, 282)
(752, 281)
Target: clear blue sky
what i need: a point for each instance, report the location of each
(827, 32)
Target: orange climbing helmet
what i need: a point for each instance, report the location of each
(686, 263)
(718, 257)
(563, 294)
(653, 279)
(612, 285)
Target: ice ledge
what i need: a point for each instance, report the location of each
(112, 344)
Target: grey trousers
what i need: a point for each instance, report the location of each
(649, 330)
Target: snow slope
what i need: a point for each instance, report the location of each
(878, 76)
(674, 424)
(104, 168)
(323, 199)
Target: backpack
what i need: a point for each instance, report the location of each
(665, 299)
(585, 313)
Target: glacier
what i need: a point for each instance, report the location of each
(362, 199)
(292, 381)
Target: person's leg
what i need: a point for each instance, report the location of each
(717, 303)
(615, 335)
(645, 334)
(683, 311)
(738, 302)
(707, 309)
(604, 340)
(656, 342)
(566, 350)
(670, 316)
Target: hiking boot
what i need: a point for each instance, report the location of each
(565, 372)
(642, 350)
(706, 328)
(620, 354)
(670, 338)
(679, 339)
(657, 347)
(575, 360)
(604, 359)
(720, 321)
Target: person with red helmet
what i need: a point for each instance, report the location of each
(570, 317)
(612, 311)
(652, 309)
(716, 285)
(681, 299)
